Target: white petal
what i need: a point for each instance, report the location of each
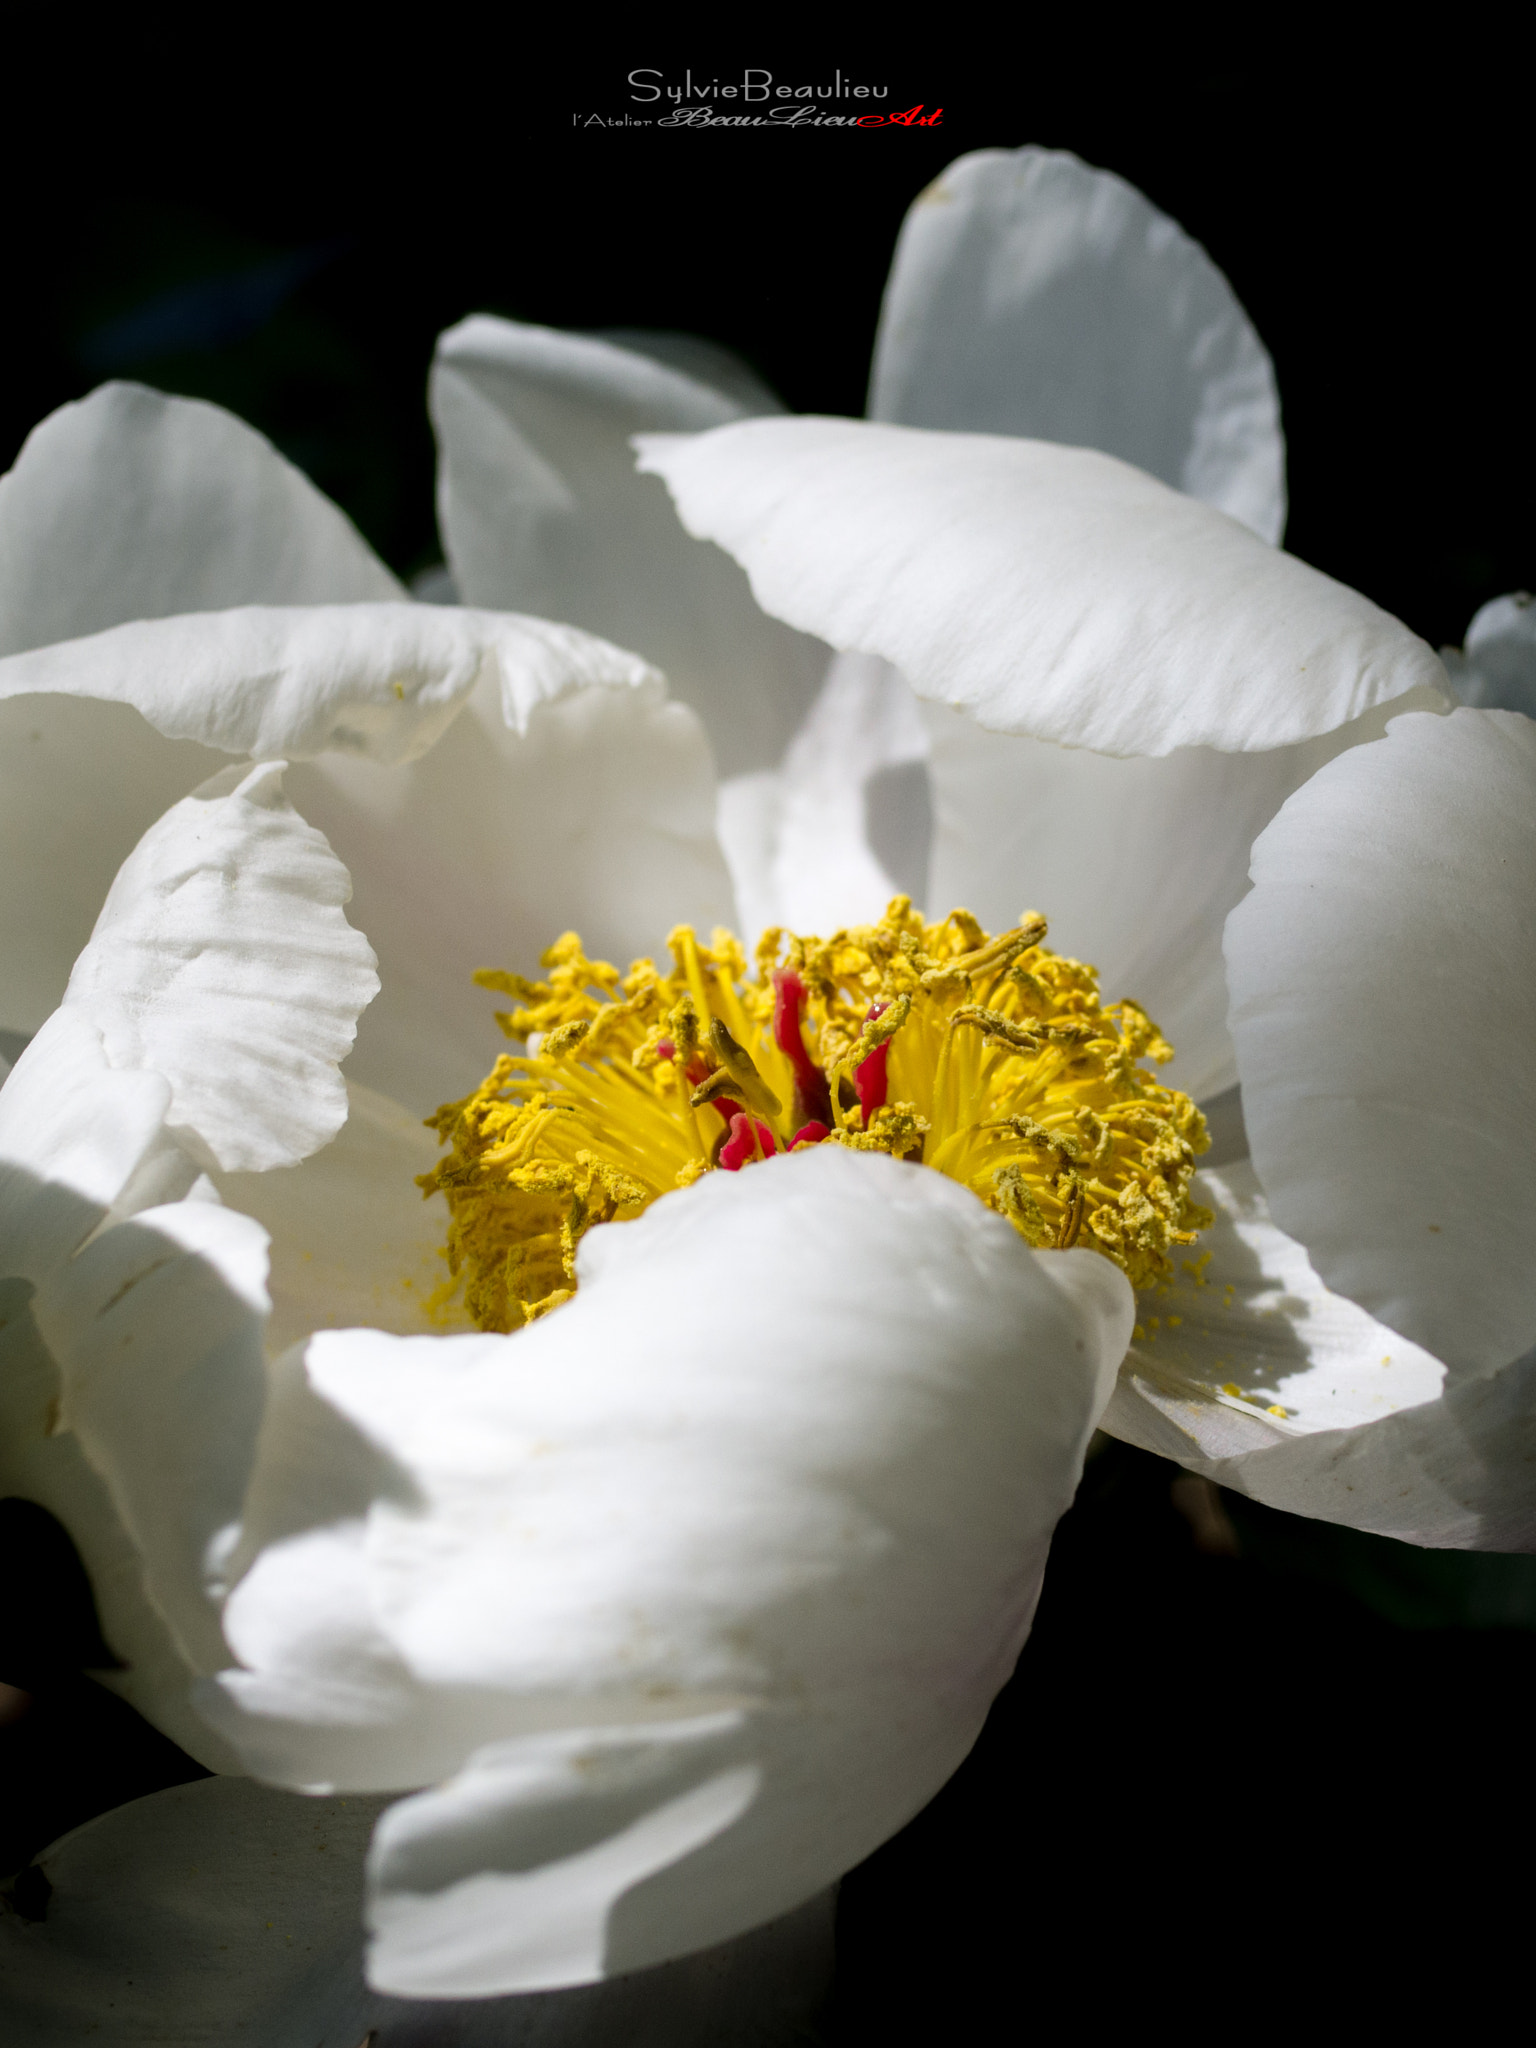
(541, 509)
(748, 815)
(1050, 591)
(73, 1130)
(82, 780)
(844, 824)
(156, 1326)
(710, 363)
(42, 1462)
(615, 1805)
(229, 1912)
(353, 1242)
(1383, 984)
(1033, 295)
(219, 1911)
(132, 505)
(1497, 671)
(596, 813)
(223, 961)
(1136, 863)
(80, 783)
(831, 1409)
(1254, 1316)
(382, 681)
(218, 993)
(1375, 1435)
(324, 1700)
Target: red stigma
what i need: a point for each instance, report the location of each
(869, 1079)
(813, 1097)
(808, 1134)
(738, 1149)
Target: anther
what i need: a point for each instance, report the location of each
(1072, 1192)
(736, 1073)
(999, 1030)
(1002, 951)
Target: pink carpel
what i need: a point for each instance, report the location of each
(869, 1078)
(739, 1150)
(813, 1097)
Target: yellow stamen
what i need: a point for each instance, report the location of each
(1002, 1069)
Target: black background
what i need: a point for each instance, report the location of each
(1373, 215)
(1228, 1785)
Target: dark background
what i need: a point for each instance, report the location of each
(1251, 1767)
(289, 237)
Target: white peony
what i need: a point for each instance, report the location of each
(681, 1599)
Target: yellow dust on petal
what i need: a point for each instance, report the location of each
(990, 1059)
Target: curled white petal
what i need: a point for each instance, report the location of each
(82, 777)
(1383, 980)
(382, 681)
(133, 505)
(204, 1020)
(222, 960)
(771, 1495)
(1050, 591)
(1031, 294)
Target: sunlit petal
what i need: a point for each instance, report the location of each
(1049, 591)
(1383, 978)
(1033, 295)
(822, 1525)
(133, 505)
(222, 959)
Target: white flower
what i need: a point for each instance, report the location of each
(682, 1598)
(1107, 725)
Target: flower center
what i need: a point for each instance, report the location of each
(989, 1059)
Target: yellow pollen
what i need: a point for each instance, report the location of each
(989, 1059)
